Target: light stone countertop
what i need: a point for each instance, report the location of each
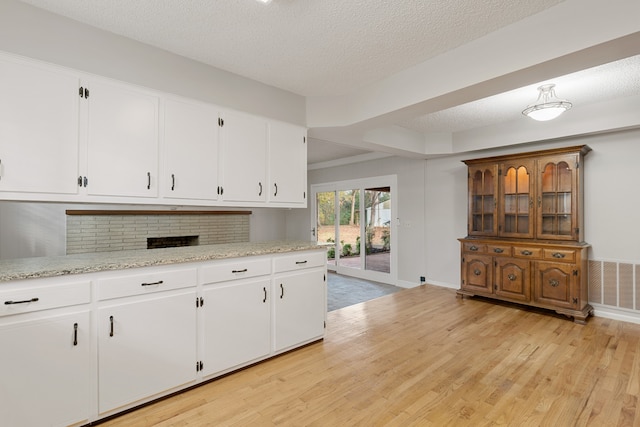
(29, 268)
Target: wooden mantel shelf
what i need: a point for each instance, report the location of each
(153, 212)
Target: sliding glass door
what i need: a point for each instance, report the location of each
(354, 219)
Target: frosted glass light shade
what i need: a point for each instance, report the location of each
(548, 106)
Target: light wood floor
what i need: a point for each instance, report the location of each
(421, 357)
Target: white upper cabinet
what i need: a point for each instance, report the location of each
(122, 140)
(68, 136)
(287, 163)
(244, 158)
(38, 128)
(190, 150)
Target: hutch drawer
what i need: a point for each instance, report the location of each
(566, 255)
(527, 252)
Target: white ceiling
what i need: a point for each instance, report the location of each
(335, 50)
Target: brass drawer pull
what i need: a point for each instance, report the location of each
(512, 277)
(558, 255)
(473, 248)
(554, 283)
(498, 250)
(526, 253)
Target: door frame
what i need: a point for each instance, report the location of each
(361, 184)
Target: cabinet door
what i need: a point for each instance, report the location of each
(517, 192)
(513, 279)
(38, 128)
(190, 150)
(477, 273)
(44, 366)
(300, 306)
(287, 164)
(236, 324)
(145, 347)
(483, 197)
(557, 198)
(556, 285)
(244, 157)
(122, 141)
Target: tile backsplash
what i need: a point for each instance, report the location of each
(100, 232)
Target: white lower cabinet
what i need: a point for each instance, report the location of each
(45, 359)
(236, 322)
(45, 370)
(145, 347)
(146, 334)
(75, 349)
(300, 308)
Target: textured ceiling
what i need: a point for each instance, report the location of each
(605, 82)
(351, 50)
(308, 47)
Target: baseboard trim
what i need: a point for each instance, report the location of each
(599, 310)
(406, 284)
(615, 313)
(443, 284)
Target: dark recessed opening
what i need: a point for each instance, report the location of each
(171, 242)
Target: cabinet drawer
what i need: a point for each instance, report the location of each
(526, 252)
(504, 250)
(475, 247)
(239, 268)
(566, 255)
(44, 297)
(299, 261)
(145, 283)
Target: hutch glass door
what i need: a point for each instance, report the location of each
(483, 185)
(556, 198)
(517, 209)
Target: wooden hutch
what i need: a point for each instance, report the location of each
(525, 231)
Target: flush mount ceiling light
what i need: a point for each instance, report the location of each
(548, 106)
(264, 1)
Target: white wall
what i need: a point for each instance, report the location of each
(35, 33)
(31, 229)
(612, 196)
